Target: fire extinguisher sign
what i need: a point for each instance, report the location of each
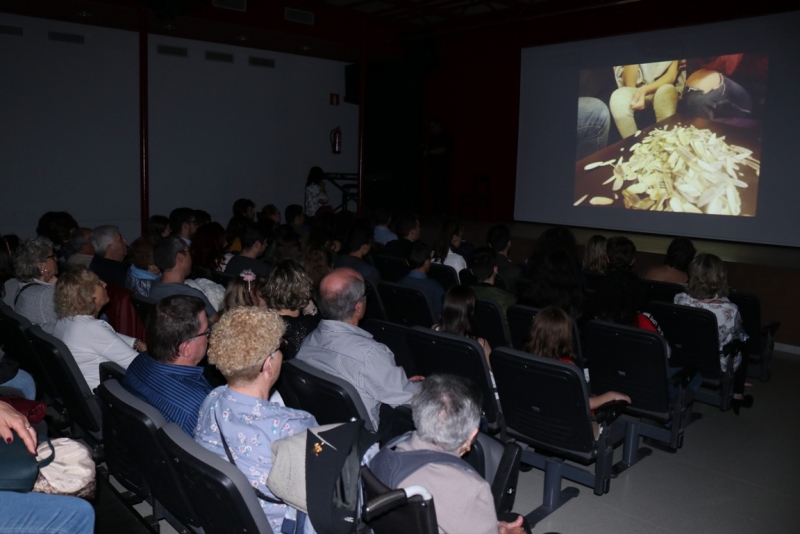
(334, 99)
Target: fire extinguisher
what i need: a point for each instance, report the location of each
(336, 140)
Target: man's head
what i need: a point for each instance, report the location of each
(254, 239)
(483, 265)
(620, 253)
(81, 241)
(294, 214)
(183, 222)
(246, 207)
(446, 411)
(419, 257)
(108, 243)
(171, 254)
(178, 330)
(359, 239)
(408, 226)
(343, 296)
(499, 239)
(680, 254)
(270, 212)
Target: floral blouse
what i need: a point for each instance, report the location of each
(729, 322)
(316, 197)
(249, 425)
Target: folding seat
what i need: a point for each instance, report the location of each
(121, 313)
(469, 279)
(634, 362)
(391, 269)
(143, 306)
(132, 449)
(436, 352)
(694, 337)
(220, 494)
(375, 309)
(520, 319)
(522, 287)
(546, 406)
(405, 305)
(395, 337)
(491, 323)
(761, 342)
(444, 274)
(221, 278)
(661, 291)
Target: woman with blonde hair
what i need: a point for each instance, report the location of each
(594, 255)
(288, 292)
(246, 347)
(244, 290)
(79, 297)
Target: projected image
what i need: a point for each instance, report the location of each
(678, 136)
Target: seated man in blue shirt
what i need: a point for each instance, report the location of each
(167, 375)
(419, 260)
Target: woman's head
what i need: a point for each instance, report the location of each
(446, 411)
(618, 298)
(245, 342)
(56, 226)
(140, 252)
(556, 282)
(451, 233)
(208, 246)
(79, 292)
(551, 335)
(594, 257)
(680, 254)
(244, 290)
(288, 287)
(315, 176)
(708, 277)
(158, 226)
(458, 312)
(34, 260)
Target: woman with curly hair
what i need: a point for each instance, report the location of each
(246, 347)
(288, 292)
(79, 297)
(36, 269)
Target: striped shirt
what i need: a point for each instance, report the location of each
(177, 391)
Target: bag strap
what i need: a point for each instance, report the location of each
(47, 461)
(23, 288)
(260, 494)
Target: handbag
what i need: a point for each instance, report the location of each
(72, 472)
(32, 409)
(18, 467)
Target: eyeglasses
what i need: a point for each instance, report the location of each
(192, 222)
(207, 333)
(281, 346)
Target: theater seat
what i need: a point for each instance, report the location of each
(121, 313)
(444, 274)
(143, 306)
(405, 305)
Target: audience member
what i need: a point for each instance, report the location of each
(158, 226)
(57, 226)
(208, 251)
(233, 232)
(143, 270)
(484, 267)
(81, 243)
(246, 348)
(183, 224)
(499, 240)
(708, 289)
(245, 207)
(172, 257)
(288, 292)
(244, 290)
(594, 256)
(447, 412)
(680, 254)
(620, 254)
(270, 212)
(419, 261)
(383, 219)
(31, 293)
(79, 297)
(7, 274)
(318, 261)
(254, 243)
(458, 317)
(316, 196)
(285, 245)
(359, 243)
(10, 374)
(202, 217)
(339, 347)
(451, 234)
(12, 242)
(167, 376)
(556, 281)
(408, 228)
(551, 240)
(110, 249)
(296, 219)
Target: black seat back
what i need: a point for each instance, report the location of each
(16, 345)
(436, 352)
(593, 280)
(692, 333)
(328, 398)
(143, 306)
(630, 360)
(467, 278)
(544, 400)
(661, 291)
(395, 337)
(491, 324)
(129, 428)
(375, 309)
(750, 310)
(520, 319)
(390, 511)
(221, 278)
(391, 269)
(444, 274)
(405, 305)
(221, 494)
(80, 402)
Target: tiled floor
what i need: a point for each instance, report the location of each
(733, 475)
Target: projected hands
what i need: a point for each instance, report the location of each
(637, 102)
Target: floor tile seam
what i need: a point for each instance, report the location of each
(776, 492)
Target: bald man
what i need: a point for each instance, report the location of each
(339, 347)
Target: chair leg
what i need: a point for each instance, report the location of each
(554, 496)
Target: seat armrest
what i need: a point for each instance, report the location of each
(504, 485)
(109, 370)
(609, 412)
(684, 376)
(771, 328)
(384, 503)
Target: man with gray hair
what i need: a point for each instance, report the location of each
(80, 241)
(110, 249)
(339, 347)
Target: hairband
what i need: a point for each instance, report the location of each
(248, 276)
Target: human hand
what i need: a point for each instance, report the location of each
(141, 346)
(416, 378)
(504, 527)
(637, 102)
(617, 396)
(12, 419)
